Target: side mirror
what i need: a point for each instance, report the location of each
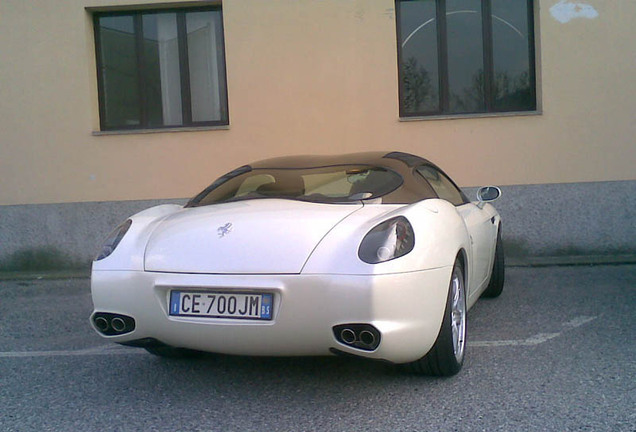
(487, 194)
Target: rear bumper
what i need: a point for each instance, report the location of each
(406, 308)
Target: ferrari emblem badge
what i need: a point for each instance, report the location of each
(224, 230)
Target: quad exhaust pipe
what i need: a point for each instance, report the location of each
(367, 338)
(361, 336)
(101, 323)
(118, 324)
(110, 324)
(348, 336)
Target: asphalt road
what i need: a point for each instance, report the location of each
(556, 352)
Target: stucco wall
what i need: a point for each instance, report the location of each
(307, 77)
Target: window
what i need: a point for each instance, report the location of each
(442, 185)
(163, 68)
(465, 56)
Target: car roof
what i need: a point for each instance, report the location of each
(414, 187)
(398, 161)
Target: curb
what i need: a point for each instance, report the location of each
(44, 275)
(571, 260)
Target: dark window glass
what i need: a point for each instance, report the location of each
(465, 56)
(419, 59)
(161, 69)
(118, 70)
(513, 73)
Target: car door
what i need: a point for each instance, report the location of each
(478, 222)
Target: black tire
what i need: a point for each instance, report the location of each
(171, 352)
(444, 359)
(498, 274)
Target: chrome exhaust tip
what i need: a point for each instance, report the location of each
(367, 338)
(348, 336)
(361, 336)
(118, 324)
(110, 324)
(101, 323)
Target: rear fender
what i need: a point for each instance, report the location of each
(439, 234)
(129, 254)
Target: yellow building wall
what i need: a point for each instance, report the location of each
(306, 76)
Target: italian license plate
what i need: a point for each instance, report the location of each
(221, 305)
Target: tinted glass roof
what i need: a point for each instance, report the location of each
(411, 188)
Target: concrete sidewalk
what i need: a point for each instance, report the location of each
(535, 261)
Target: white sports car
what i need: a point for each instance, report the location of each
(377, 255)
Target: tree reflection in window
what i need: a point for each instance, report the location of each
(465, 56)
(418, 90)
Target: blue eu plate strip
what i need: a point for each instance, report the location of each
(266, 306)
(175, 299)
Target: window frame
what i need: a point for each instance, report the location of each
(184, 68)
(488, 63)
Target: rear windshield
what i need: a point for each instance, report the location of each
(331, 184)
